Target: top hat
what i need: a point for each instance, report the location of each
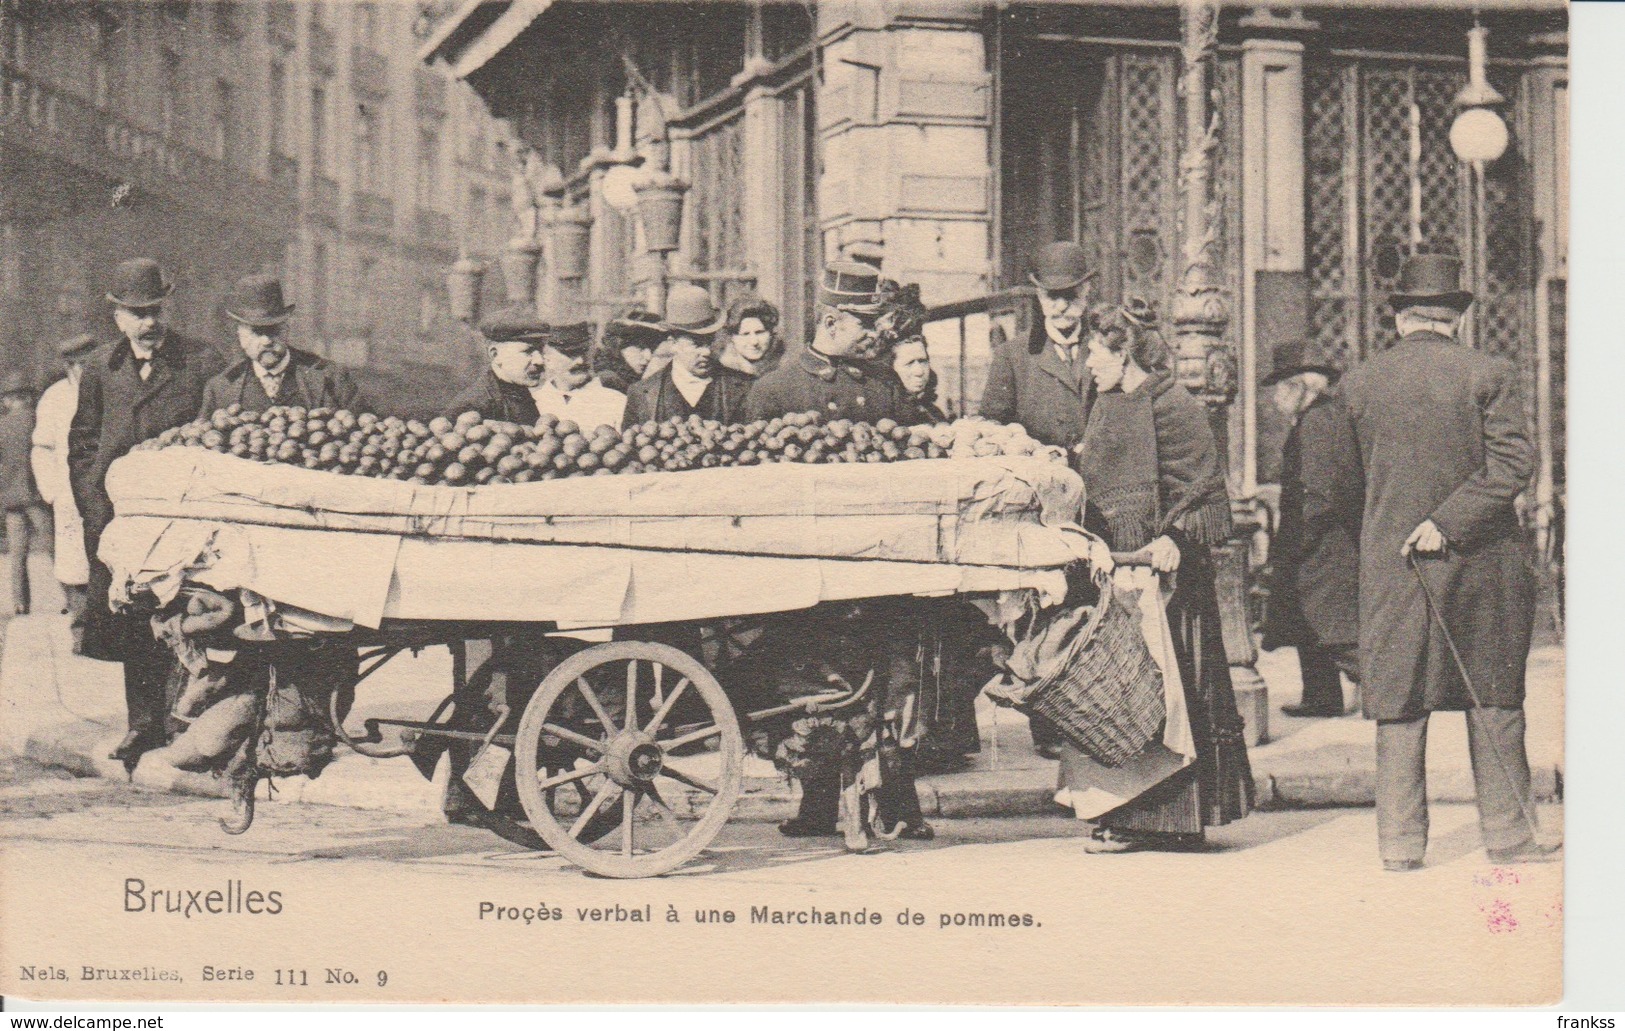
(852, 286)
(1060, 266)
(1430, 279)
(139, 283)
(1297, 356)
(75, 345)
(16, 383)
(691, 312)
(257, 301)
(517, 324)
(574, 338)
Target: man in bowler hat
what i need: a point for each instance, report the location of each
(1038, 380)
(835, 375)
(53, 417)
(1315, 552)
(1444, 451)
(148, 380)
(513, 348)
(696, 382)
(272, 372)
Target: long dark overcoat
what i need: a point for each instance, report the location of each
(1314, 592)
(310, 381)
(658, 398)
(1442, 436)
(1029, 383)
(809, 382)
(118, 410)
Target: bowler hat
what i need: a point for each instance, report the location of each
(691, 312)
(1430, 279)
(16, 383)
(139, 283)
(852, 286)
(574, 338)
(517, 324)
(1297, 356)
(257, 301)
(1060, 266)
(75, 345)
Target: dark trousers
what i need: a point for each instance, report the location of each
(1500, 780)
(22, 524)
(146, 690)
(1322, 684)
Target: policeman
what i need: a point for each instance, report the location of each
(836, 375)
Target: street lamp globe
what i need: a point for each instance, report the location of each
(1478, 134)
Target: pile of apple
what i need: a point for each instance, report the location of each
(473, 450)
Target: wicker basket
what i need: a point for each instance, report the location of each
(1102, 688)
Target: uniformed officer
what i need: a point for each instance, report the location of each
(835, 375)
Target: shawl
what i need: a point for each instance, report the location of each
(1150, 465)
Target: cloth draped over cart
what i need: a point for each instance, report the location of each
(347, 551)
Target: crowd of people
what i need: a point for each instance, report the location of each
(1397, 521)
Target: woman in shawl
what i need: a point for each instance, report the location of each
(1153, 481)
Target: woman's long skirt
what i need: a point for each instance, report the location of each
(1218, 787)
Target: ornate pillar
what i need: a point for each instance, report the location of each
(1204, 361)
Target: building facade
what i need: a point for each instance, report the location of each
(1258, 173)
(303, 139)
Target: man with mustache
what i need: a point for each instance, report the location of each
(272, 372)
(835, 374)
(695, 383)
(148, 380)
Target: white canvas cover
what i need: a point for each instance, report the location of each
(594, 551)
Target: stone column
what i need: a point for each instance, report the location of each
(764, 185)
(905, 113)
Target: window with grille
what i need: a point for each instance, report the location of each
(1382, 183)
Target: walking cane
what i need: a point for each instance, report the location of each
(1524, 805)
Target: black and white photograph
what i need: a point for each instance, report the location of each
(1198, 638)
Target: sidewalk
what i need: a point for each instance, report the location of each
(67, 711)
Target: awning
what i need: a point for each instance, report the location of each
(478, 31)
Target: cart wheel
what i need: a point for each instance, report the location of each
(634, 756)
(509, 820)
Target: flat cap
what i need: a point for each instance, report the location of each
(518, 324)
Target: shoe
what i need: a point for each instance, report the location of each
(920, 831)
(135, 744)
(1528, 852)
(1106, 842)
(471, 816)
(1401, 865)
(1304, 712)
(799, 828)
(1048, 751)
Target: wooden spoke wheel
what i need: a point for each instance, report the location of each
(508, 819)
(651, 705)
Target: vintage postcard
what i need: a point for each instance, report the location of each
(870, 501)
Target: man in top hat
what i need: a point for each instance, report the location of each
(836, 375)
(272, 372)
(1444, 451)
(567, 391)
(696, 382)
(148, 380)
(1038, 379)
(52, 418)
(513, 348)
(25, 514)
(1315, 552)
